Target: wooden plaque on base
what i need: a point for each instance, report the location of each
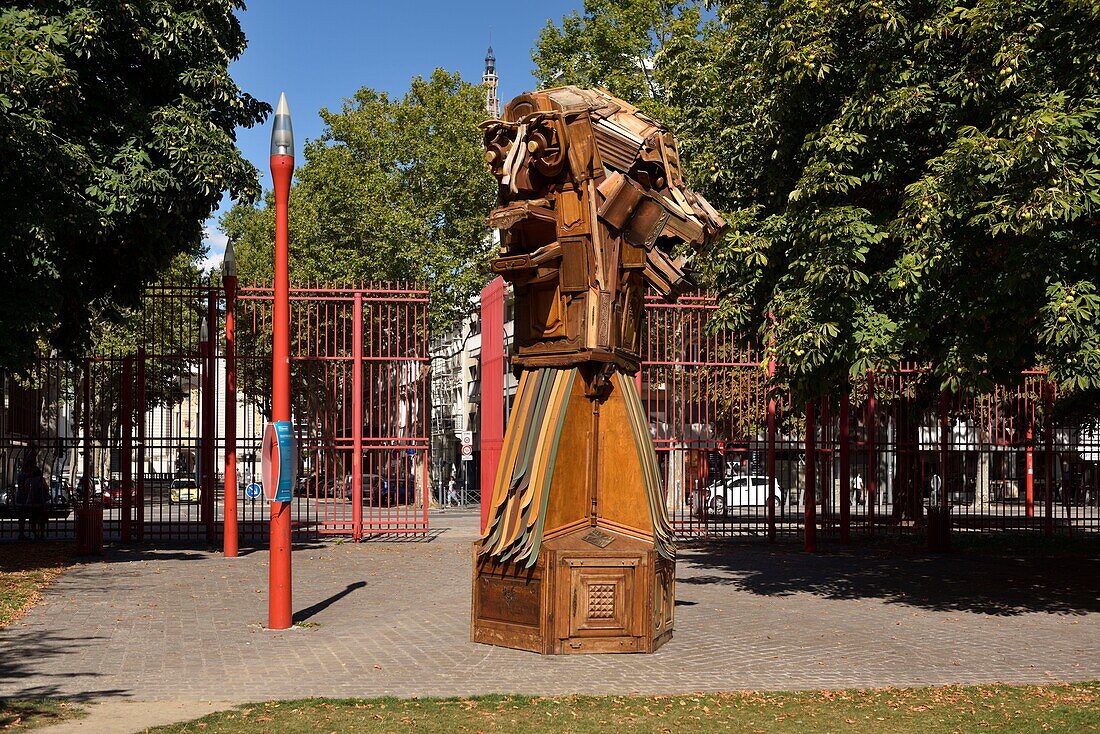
(577, 598)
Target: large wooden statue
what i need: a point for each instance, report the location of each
(577, 555)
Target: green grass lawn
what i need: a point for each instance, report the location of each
(25, 569)
(1058, 708)
(23, 715)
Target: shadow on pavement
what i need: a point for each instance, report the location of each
(304, 614)
(997, 586)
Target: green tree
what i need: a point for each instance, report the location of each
(395, 189)
(117, 140)
(904, 181)
(620, 45)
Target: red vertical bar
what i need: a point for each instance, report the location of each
(872, 457)
(1048, 459)
(943, 451)
(357, 417)
(87, 443)
(279, 573)
(826, 464)
(808, 496)
(772, 481)
(139, 493)
(1029, 460)
(492, 389)
(229, 513)
(127, 459)
(845, 469)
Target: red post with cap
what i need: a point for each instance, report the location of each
(229, 513)
(279, 614)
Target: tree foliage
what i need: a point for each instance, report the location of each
(395, 189)
(904, 180)
(116, 142)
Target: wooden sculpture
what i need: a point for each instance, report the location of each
(577, 555)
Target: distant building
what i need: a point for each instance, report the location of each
(456, 365)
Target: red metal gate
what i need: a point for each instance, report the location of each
(359, 360)
(739, 460)
(145, 428)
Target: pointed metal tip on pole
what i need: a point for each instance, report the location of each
(282, 133)
(229, 261)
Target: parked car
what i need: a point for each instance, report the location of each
(319, 486)
(741, 491)
(183, 490)
(81, 484)
(112, 496)
(374, 488)
(401, 491)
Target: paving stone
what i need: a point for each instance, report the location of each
(394, 619)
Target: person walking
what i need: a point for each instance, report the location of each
(452, 493)
(38, 497)
(857, 489)
(21, 500)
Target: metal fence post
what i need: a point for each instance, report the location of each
(1048, 459)
(845, 471)
(87, 443)
(127, 450)
(808, 496)
(770, 470)
(229, 514)
(357, 417)
(872, 458)
(209, 422)
(139, 494)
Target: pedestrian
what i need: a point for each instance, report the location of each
(452, 493)
(38, 497)
(857, 489)
(22, 508)
(935, 484)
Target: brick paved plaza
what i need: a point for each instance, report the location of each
(393, 618)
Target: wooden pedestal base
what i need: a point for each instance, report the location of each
(591, 590)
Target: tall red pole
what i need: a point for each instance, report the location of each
(770, 470)
(229, 499)
(279, 615)
(357, 417)
(492, 388)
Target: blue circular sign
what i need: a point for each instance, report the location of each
(252, 491)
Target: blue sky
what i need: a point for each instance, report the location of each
(321, 52)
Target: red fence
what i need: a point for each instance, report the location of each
(735, 458)
(142, 432)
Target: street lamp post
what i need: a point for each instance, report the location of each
(279, 614)
(229, 514)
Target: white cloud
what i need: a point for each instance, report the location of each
(215, 242)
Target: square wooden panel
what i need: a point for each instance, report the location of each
(509, 600)
(602, 602)
(664, 598)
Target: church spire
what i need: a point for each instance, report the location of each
(489, 79)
